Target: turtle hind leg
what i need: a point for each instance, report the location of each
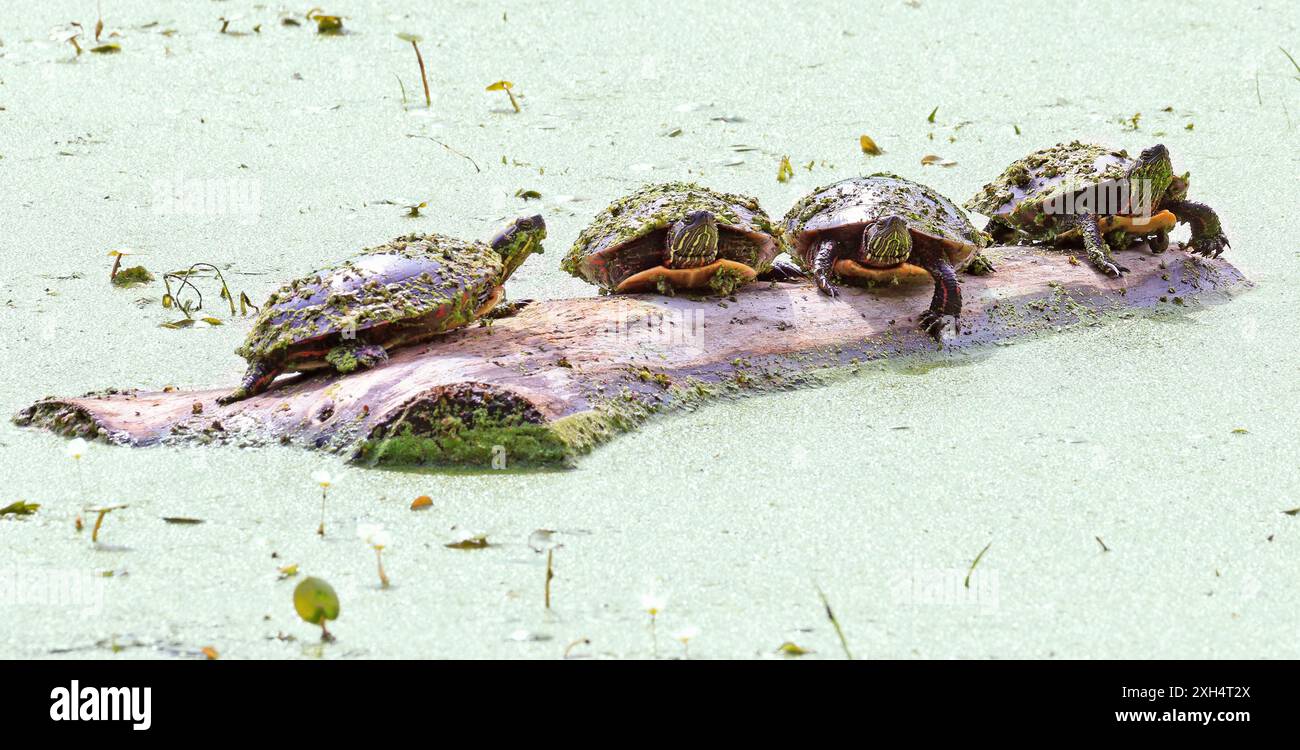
(354, 355)
(256, 380)
(1207, 232)
(1094, 244)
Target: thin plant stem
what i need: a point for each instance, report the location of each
(428, 103)
(320, 531)
(379, 558)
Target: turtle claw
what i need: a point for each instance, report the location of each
(827, 288)
(932, 324)
(1111, 269)
(1210, 245)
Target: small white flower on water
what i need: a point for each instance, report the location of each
(685, 635)
(322, 478)
(75, 449)
(653, 603)
(374, 534)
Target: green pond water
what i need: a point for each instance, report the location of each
(881, 489)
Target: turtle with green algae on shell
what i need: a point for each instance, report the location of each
(1079, 191)
(886, 229)
(678, 235)
(403, 292)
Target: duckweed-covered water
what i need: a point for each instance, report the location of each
(1169, 441)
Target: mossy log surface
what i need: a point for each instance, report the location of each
(545, 386)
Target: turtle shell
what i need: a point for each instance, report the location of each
(849, 206)
(400, 292)
(622, 249)
(1027, 193)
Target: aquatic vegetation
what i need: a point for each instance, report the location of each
(790, 649)
(374, 535)
(550, 574)
(76, 450)
(68, 33)
(184, 281)
(99, 519)
(507, 87)
(316, 603)
(19, 508)
(653, 604)
(933, 112)
(133, 276)
(684, 636)
(784, 171)
(930, 159)
(415, 44)
(325, 23)
(830, 615)
(469, 541)
(976, 561)
(323, 479)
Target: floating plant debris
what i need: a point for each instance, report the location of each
(288, 571)
(507, 87)
(185, 283)
(210, 652)
(315, 602)
(423, 502)
(477, 541)
(325, 23)
(182, 520)
(830, 615)
(933, 112)
(19, 508)
(415, 44)
(69, 33)
(528, 195)
(929, 159)
(790, 648)
(133, 276)
(1104, 548)
(413, 209)
(980, 556)
(868, 145)
(784, 172)
(1292, 512)
(99, 519)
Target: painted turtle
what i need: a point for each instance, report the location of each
(403, 292)
(1080, 190)
(677, 235)
(886, 229)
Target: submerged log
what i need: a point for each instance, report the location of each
(562, 376)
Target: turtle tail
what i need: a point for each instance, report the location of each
(256, 380)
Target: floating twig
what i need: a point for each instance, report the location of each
(830, 615)
(449, 148)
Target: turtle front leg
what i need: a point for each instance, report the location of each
(1207, 233)
(1095, 246)
(824, 265)
(947, 292)
(1159, 242)
(355, 355)
(256, 380)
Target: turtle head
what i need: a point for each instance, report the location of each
(692, 241)
(886, 242)
(517, 241)
(1149, 179)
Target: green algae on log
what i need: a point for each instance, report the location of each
(547, 385)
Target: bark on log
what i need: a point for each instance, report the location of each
(562, 376)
